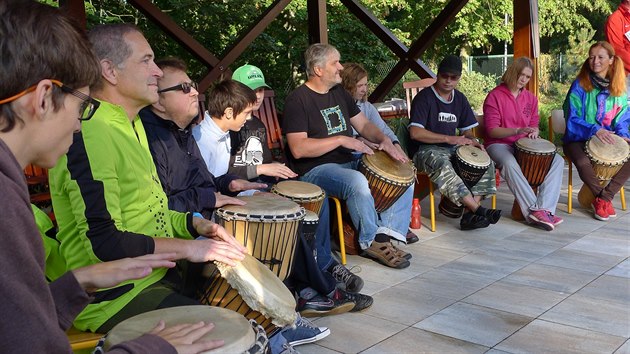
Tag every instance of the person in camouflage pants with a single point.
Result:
(437, 114)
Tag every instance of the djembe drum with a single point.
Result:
(309, 229)
(238, 334)
(535, 157)
(250, 289)
(607, 160)
(387, 178)
(308, 195)
(267, 227)
(470, 163)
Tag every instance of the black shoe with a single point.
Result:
(361, 301)
(351, 282)
(411, 238)
(472, 221)
(323, 306)
(493, 215)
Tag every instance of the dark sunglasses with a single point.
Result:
(446, 76)
(184, 87)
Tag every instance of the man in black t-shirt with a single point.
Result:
(318, 121)
(437, 113)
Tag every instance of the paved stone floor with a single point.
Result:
(509, 288)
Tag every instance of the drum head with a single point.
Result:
(383, 165)
(297, 189)
(262, 208)
(262, 290)
(310, 218)
(230, 326)
(473, 156)
(541, 146)
(613, 154)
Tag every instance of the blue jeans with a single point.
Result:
(345, 182)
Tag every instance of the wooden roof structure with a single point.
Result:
(525, 36)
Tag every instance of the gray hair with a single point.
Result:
(108, 42)
(316, 55)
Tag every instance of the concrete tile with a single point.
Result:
(474, 324)
(551, 278)
(378, 273)
(490, 266)
(434, 256)
(442, 283)
(593, 314)
(580, 260)
(515, 249)
(546, 337)
(495, 351)
(413, 340)
(404, 306)
(371, 288)
(605, 245)
(621, 270)
(557, 238)
(462, 241)
(355, 332)
(624, 349)
(516, 298)
(315, 349)
(608, 288)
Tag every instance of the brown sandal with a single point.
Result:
(385, 253)
(402, 254)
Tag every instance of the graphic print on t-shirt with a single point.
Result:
(335, 122)
(251, 153)
(447, 117)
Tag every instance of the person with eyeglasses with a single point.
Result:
(437, 114)
(40, 101)
(108, 198)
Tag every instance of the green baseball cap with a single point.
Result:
(251, 76)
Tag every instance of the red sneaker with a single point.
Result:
(610, 209)
(556, 220)
(599, 209)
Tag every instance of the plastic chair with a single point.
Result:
(342, 245)
(558, 125)
(82, 340)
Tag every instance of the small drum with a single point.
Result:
(308, 195)
(309, 229)
(388, 179)
(534, 156)
(470, 163)
(252, 290)
(236, 331)
(267, 227)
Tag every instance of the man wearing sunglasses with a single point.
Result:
(437, 114)
(107, 196)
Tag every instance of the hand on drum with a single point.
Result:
(186, 337)
(391, 150)
(532, 132)
(216, 232)
(239, 185)
(274, 169)
(605, 136)
(222, 200)
(355, 144)
(108, 274)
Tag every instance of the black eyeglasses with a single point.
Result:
(86, 109)
(447, 76)
(184, 87)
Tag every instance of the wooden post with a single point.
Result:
(317, 25)
(526, 36)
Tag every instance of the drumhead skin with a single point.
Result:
(230, 326)
(607, 154)
(262, 290)
(298, 189)
(382, 164)
(542, 146)
(473, 156)
(310, 218)
(262, 208)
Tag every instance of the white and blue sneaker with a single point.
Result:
(304, 332)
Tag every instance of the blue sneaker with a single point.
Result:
(304, 332)
(279, 345)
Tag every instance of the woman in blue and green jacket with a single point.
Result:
(597, 104)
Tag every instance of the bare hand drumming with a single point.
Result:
(222, 200)
(278, 170)
(605, 136)
(239, 185)
(355, 144)
(186, 338)
(390, 149)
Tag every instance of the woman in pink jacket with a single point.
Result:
(510, 113)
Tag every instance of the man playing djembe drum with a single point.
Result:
(596, 107)
(437, 113)
(510, 113)
(318, 121)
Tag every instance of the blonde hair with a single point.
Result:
(616, 73)
(513, 72)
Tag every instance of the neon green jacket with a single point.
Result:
(107, 200)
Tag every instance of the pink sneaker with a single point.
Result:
(540, 218)
(599, 209)
(556, 220)
(610, 209)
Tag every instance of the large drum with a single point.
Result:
(309, 230)
(534, 156)
(607, 160)
(250, 289)
(470, 163)
(267, 227)
(308, 195)
(239, 335)
(388, 179)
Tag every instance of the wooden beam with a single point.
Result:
(169, 26)
(317, 22)
(243, 42)
(523, 39)
(435, 29)
(76, 10)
